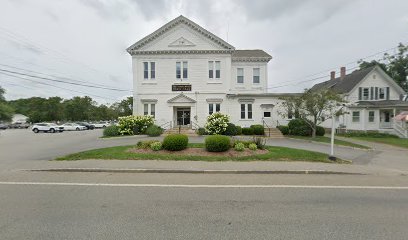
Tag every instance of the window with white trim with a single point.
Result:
(214, 69)
(256, 74)
(213, 107)
(246, 111)
(181, 66)
(356, 116)
(146, 70)
(366, 93)
(381, 93)
(149, 109)
(371, 115)
(240, 75)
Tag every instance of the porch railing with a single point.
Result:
(266, 125)
(401, 127)
(167, 125)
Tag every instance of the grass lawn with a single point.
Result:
(274, 154)
(399, 142)
(327, 140)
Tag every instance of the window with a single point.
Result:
(212, 107)
(240, 75)
(178, 70)
(217, 69)
(371, 115)
(145, 70)
(210, 69)
(152, 107)
(267, 114)
(152, 70)
(146, 109)
(381, 94)
(366, 93)
(246, 111)
(242, 111)
(356, 116)
(185, 69)
(214, 65)
(290, 114)
(256, 75)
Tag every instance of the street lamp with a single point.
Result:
(331, 156)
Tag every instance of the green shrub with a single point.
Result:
(299, 127)
(111, 131)
(145, 144)
(260, 142)
(247, 131)
(217, 123)
(131, 125)
(239, 147)
(253, 146)
(284, 129)
(156, 146)
(175, 142)
(246, 143)
(217, 143)
(239, 130)
(154, 131)
(231, 130)
(258, 129)
(201, 131)
(320, 131)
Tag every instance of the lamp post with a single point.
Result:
(331, 156)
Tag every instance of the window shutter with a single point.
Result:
(360, 93)
(376, 93)
(372, 93)
(387, 93)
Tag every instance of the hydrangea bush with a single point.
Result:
(131, 125)
(217, 123)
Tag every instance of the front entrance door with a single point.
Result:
(385, 119)
(183, 116)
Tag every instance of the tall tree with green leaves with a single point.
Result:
(395, 65)
(6, 111)
(313, 106)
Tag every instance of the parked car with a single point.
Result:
(19, 125)
(73, 127)
(47, 127)
(101, 124)
(3, 126)
(88, 126)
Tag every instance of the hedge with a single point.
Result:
(175, 142)
(258, 129)
(217, 143)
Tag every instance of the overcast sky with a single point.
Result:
(85, 40)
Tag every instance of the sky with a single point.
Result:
(84, 41)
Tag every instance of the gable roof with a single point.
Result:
(175, 22)
(255, 54)
(346, 84)
(181, 98)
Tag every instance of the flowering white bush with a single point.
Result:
(217, 123)
(130, 125)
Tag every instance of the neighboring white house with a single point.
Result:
(19, 118)
(182, 73)
(373, 99)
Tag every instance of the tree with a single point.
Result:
(396, 65)
(78, 108)
(6, 111)
(313, 106)
(123, 108)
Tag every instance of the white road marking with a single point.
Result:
(203, 186)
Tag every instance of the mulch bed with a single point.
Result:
(201, 152)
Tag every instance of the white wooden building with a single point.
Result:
(182, 73)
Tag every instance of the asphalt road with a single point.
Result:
(115, 212)
(53, 205)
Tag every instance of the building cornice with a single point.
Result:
(168, 52)
(251, 59)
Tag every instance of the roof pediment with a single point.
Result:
(181, 98)
(178, 22)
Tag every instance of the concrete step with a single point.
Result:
(273, 133)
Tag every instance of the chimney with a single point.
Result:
(342, 72)
(332, 75)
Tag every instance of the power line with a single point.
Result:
(47, 84)
(62, 81)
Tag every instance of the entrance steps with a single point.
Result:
(187, 131)
(273, 133)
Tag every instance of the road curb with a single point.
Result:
(193, 171)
